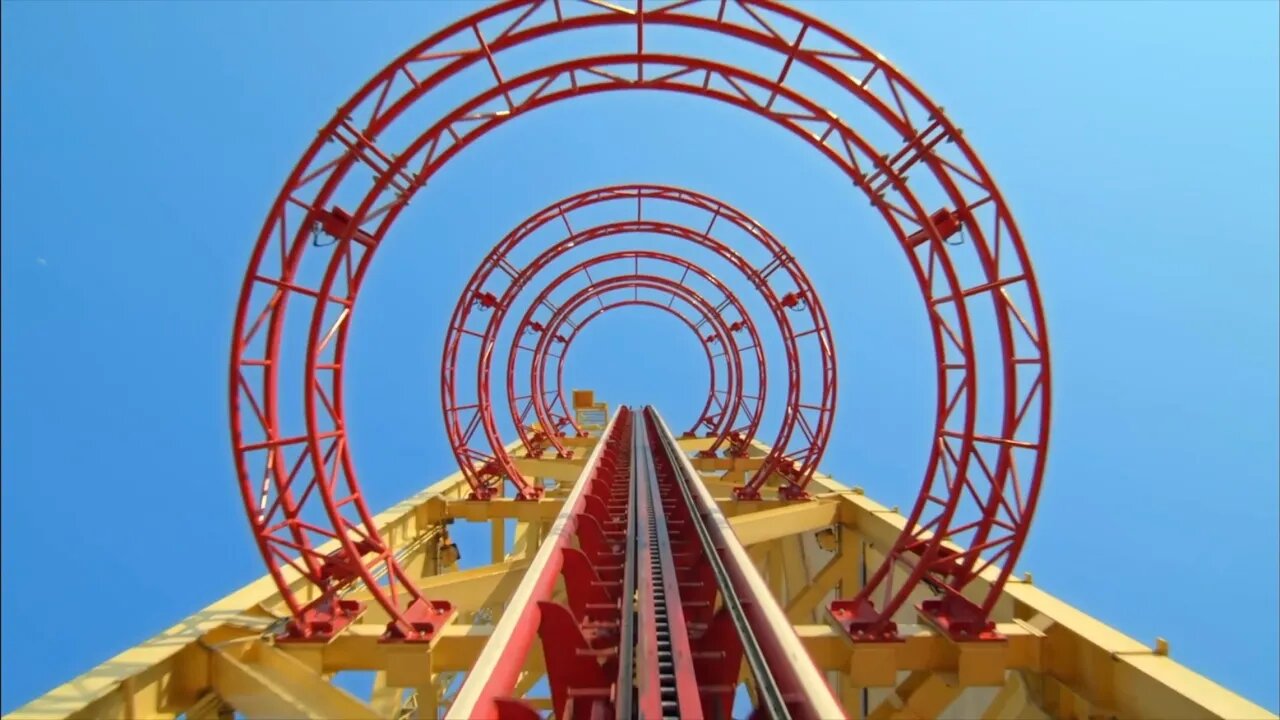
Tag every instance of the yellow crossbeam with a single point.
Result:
(1067, 663)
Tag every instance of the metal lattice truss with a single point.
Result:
(648, 574)
(984, 465)
(1054, 662)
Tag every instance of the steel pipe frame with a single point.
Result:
(809, 454)
(500, 464)
(564, 316)
(661, 284)
(817, 47)
(733, 395)
(566, 417)
(531, 444)
(797, 465)
(801, 462)
(704, 419)
(724, 331)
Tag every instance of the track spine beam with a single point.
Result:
(671, 689)
(485, 693)
(788, 683)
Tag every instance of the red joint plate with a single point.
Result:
(960, 619)
(530, 493)
(426, 617)
(336, 220)
(321, 620)
(793, 492)
(946, 221)
(746, 493)
(862, 622)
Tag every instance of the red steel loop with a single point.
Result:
(485, 469)
(793, 413)
(746, 414)
(711, 418)
(785, 287)
(986, 458)
(714, 413)
(728, 408)
(718, 410)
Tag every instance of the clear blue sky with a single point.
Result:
(143, 144)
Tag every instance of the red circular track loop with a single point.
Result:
(789, 294)
(982, 478)
(484, 469)
(738, 445)
(718, 409)
(747, 413)
(716, 413)
(733, 371)
(710, 418)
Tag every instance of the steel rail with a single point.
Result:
(770, 695)
(496, 670)
(787, 681)
(671, 690)
(624, 700)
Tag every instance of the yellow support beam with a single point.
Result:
(543, 510)
(781, 522)
(260, 681)
(470, 590)
(922, 696)
(801, 606)
(359, 648)
(1090, 661)
(560, 470)
(1068, 664)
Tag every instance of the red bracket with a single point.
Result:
(486, 300)
(959, 618)
(792, 491)
(947, 222)
(424, 618)
(321, 620)
(860, 619)
(335, 221)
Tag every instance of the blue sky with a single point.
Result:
(143, 144)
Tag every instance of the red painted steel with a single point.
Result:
(784, 286)
(496, 463)
(982, 478)
(577, 636)
(734, 369)
(709, 419)
(749, 411)
(803, 699)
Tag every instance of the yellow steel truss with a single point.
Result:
(1056, 661)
